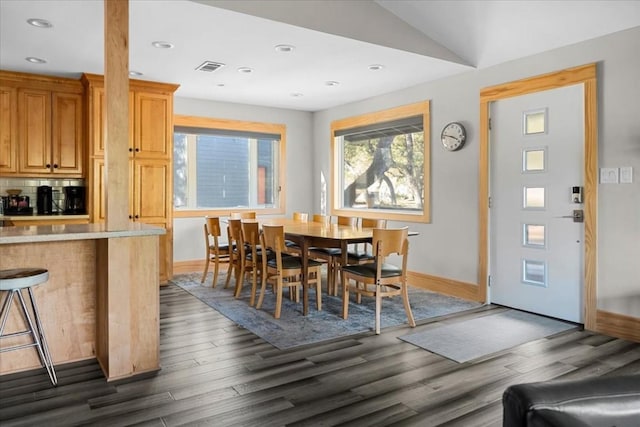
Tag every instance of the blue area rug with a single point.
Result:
(293, 329)
(471, 339)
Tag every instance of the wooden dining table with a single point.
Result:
(315, 234)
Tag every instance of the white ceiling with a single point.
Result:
(416, 41)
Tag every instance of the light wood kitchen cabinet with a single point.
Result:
(47, 139)
(8, 130)
(150, 158)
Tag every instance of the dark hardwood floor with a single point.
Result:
(216, 373)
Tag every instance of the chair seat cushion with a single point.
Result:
(327, 251)
(291, 262)
(360, 256)
(270, 255)
(222, 249)
(369, 270)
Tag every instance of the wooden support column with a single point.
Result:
(117, 262)
(116, 89)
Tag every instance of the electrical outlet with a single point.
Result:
(626, 175)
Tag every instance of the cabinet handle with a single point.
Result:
(55, 166)
(48, 165)
(130, 216)
(136, 216)
(137, 150)
(130, 150)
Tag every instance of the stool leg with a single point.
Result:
(5, 310)
(38, 336)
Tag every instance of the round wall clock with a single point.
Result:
(453, 136)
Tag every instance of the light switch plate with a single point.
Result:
(626, 175)
(609, 175)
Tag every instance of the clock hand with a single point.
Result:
(452, 137)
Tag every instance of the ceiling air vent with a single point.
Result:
(209, 66)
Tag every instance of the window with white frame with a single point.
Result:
(380, 164)
(226, 165)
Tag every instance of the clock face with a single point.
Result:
(453, 136)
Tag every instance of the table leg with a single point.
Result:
(304, 247)
(344, 246)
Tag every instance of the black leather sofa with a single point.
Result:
(594, 402)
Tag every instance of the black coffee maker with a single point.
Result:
(74, 203)
(44, 201)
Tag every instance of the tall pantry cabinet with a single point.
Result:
(150, 158)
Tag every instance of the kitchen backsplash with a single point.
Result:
(29, 186)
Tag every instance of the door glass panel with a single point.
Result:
(534, 272)
(533, 235)
(533, 160)
(533, 198)
(535, 122)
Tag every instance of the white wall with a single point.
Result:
(447, 247)
(188, 238)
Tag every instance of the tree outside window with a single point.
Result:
(381, 164)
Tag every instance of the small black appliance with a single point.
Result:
(15, 204)
(44, 201)
(74, 200)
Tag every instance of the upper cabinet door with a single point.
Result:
(67, 143)
(34, 131)
(153, 125)
(8, 130)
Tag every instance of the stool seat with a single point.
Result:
(20, 278)
(13, 282)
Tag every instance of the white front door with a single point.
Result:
(536, 248)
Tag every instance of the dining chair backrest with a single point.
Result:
(243, 215)
(301, 216)
(347, 220)
(234, 229)
(373, 223)
(250, 233)
(212, 224)
(387, 241)
(322, 219)
(273, 238)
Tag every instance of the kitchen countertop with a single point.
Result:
(52, 233)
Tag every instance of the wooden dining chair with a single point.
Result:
(252, 262)
(243, 215)
(292, 248)
(322, 219)
(282, 270)
(300, 216)
(333, 256)
(215, 252)
(362, 253)
(380, 279)
(237, 254)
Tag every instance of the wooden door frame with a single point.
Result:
(585, 75)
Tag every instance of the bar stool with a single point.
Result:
(13, 282)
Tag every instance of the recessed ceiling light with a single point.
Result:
(297, 95)
(331, 83)
(376, 67)
(40, 23)
(133, 73)
(35, 60)
(285, 48)
(245, 70)
(162, 45)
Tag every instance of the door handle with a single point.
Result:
(577, 216)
